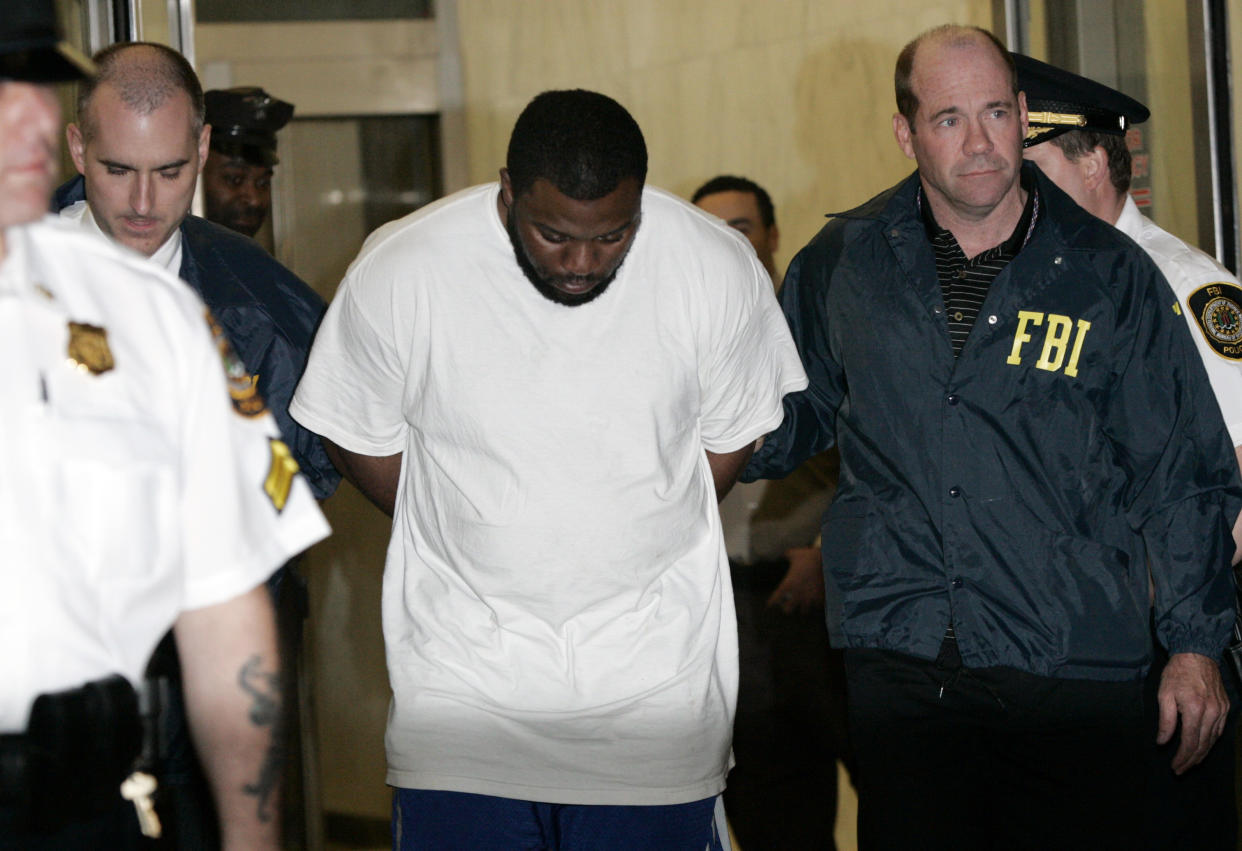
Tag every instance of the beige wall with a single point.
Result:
(795, 94)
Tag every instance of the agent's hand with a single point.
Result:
(802, 589)
(1191, 688)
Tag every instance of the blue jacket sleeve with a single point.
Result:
(809, 424)
(1183, 490)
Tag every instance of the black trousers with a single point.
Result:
(790, 724)
(993, 758)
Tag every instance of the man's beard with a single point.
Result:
(542, 283)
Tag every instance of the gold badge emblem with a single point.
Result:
(243, 387)
(280, 474)
(88, 348)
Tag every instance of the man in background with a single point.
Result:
(790, 726)
(237, 177)
(139, 143)
(1077, 138)
(134, 498)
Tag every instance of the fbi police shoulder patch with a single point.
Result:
(243, 387)
(1217, 307)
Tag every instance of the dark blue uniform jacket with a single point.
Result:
(268, 314)
(1012, 489)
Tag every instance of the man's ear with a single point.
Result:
(204, 144)
(774, 238)
(506, 188)
(901, 130)
(77, 146)
(1094, 167)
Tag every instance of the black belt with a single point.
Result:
(78, 747)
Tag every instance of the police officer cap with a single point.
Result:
(1058, 101)
(31, 49)
(244, 122)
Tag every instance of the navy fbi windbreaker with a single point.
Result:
(1011, 489)
(268, 314)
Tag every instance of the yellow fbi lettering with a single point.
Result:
(280, 474)
(1063, 340)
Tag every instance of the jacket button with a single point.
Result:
(952, 399)
(957, 582)
(1056, 260)
(992, 319)
(955, 491)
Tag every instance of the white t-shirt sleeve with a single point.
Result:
(244, 509)
(354, 383)
(749, 361)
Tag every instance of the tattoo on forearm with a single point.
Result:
(266, 710)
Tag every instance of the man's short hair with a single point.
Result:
(583, 143)
(145, 74)
(732, 183)
(957, 36)
(1076, 143)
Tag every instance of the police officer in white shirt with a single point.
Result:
(135, 497)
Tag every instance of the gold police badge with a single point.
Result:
(1217, 307)
(243, 387)
(88, 348)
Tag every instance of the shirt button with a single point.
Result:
(957, 316)
(955, 491)
(894, 233)
(961, 274)
(957, 582)
(952, 399)
(992, 320)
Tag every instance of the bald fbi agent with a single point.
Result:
(546, 381)
(1023, 424)
(135, 497)
(237, 177)
(1077, 138)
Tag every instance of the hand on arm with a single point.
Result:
(1191, 688)
(375, 476)
(231, 673)
(802, 589)
(726, 468)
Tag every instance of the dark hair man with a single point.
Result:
(139, 144)
(1077, 138)
(237, 177)
(1023, 425)
(546, 382)
(789, 728)
(746, 207)
(133, 500)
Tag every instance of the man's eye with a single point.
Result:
(235, 182)
(171, 175)
(557, 238)
(116, 170)
(612, 238)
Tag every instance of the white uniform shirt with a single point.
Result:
(133, 490)
(1211, 300)
(557, 610)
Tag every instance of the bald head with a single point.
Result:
(143, 76)
(945, 35)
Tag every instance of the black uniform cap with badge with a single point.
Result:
(1058, 101)
(31, 49)
(244, 121)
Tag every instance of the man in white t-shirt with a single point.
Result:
(1077, 139)
(135, 497)
(546, 382)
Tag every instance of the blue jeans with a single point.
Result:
(426, 820)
